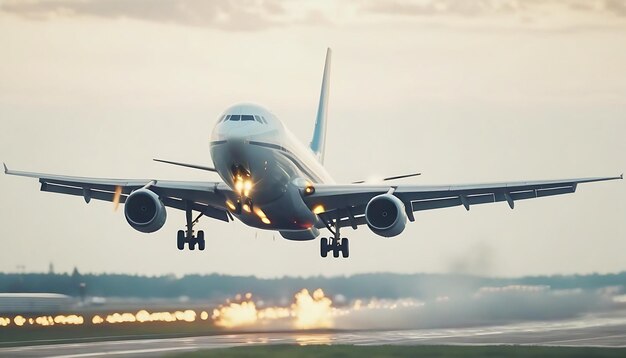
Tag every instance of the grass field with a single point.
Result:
(346, 351)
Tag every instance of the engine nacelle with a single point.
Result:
(144, 211)
(385, 215)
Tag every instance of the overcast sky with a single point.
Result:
(462, 91)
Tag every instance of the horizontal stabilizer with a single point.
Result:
(201, 167)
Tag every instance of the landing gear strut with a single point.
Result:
(187, 236)
(336, 244)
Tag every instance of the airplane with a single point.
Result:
(272, 181)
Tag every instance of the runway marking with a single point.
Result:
(584, 339)
(126, 352)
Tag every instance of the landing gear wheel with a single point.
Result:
(336, 248)
(180, 240)
(345, 251)
(201, 242)
(324, 247)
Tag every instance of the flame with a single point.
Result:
(116, 197)
(19, 320)
(308, 312)
(312, 312)
(235, 315)
(262, 216)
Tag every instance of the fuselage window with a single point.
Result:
(247, 117)
(235, 117)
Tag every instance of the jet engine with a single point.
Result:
(385, 215)
(144, 211)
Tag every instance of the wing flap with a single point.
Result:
(344, 201)
(79, 191)
(206, 197)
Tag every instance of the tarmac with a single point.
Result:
(601, 332)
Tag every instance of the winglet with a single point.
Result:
(6, 170)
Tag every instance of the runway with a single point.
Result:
(604, 332)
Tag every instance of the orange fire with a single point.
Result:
(307, 312)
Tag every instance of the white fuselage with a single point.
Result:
(249, 141)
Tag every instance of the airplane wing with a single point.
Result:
(205, 197)
(348, 202)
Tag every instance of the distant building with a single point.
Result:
(34, 302)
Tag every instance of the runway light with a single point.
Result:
(318, 209)
(266, 221)
(204, 315)
(246, 207)
(230, 205)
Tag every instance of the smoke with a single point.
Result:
(477, 260)
(458, 307)
(487, 306)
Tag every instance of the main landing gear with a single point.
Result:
(187, 237)
(336, 244)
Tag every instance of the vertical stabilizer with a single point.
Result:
(318, 143)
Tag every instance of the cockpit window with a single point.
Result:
(244, 117)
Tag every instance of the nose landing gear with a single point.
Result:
(186, 237)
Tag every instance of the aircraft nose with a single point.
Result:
(239, 129)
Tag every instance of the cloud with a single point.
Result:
(254, 15)
(440, 7)
(230, 15)
(473, 8)
(618, 7)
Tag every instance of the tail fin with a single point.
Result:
(318, 143)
